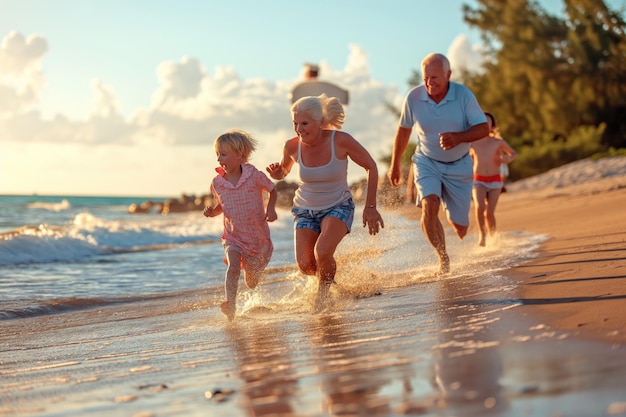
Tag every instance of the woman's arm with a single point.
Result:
(279, 170)
(348, 146)
(270, 211)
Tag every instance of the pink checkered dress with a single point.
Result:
(243, 209)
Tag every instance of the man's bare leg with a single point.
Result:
(433, 229)
(460, 231)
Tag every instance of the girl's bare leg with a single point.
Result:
(231, 284)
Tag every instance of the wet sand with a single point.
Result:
(548, 338)
(578, 283)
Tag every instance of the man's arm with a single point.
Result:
(449, 140)
(400, 143)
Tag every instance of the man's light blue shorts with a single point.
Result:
(312, 219)
(451, 181)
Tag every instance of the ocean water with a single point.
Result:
(59, 253)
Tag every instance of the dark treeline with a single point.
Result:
(557, 85)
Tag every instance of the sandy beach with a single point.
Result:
(548, 338)
(578, 282)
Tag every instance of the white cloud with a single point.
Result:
(20, 55)
(178, 80)
(464, 56)
(105, 103)
(166, 147)
(21, 79)
(13, 100)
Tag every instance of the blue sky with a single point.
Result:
(122, 42)
(126, 97)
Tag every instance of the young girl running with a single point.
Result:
(238, 190)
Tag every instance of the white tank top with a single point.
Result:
(325, 186)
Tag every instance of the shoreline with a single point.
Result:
(577, 281)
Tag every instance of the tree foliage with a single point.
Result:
(546, 76)
(557, 85)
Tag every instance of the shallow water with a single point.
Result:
(453, 347)
(63, 253)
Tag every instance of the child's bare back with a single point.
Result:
(489, 153)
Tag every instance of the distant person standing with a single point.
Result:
(447, 118)
(311, 86)
(489, 154)
(239, 191)
(311, 71)
(322, 206)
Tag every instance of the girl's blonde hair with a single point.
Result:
(327, 110)
(239, 141)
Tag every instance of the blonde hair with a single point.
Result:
(239, 141)
(327, 110)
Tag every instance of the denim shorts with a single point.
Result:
(312, 219)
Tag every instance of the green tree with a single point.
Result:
(547, 76)
(557, 85)
(595, 52)
(519, 78)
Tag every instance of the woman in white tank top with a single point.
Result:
(323, 207)
(324, 186)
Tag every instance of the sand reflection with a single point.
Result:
(269, 383)
(351, 369)
(467, 363)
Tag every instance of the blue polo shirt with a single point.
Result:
(457, 112)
